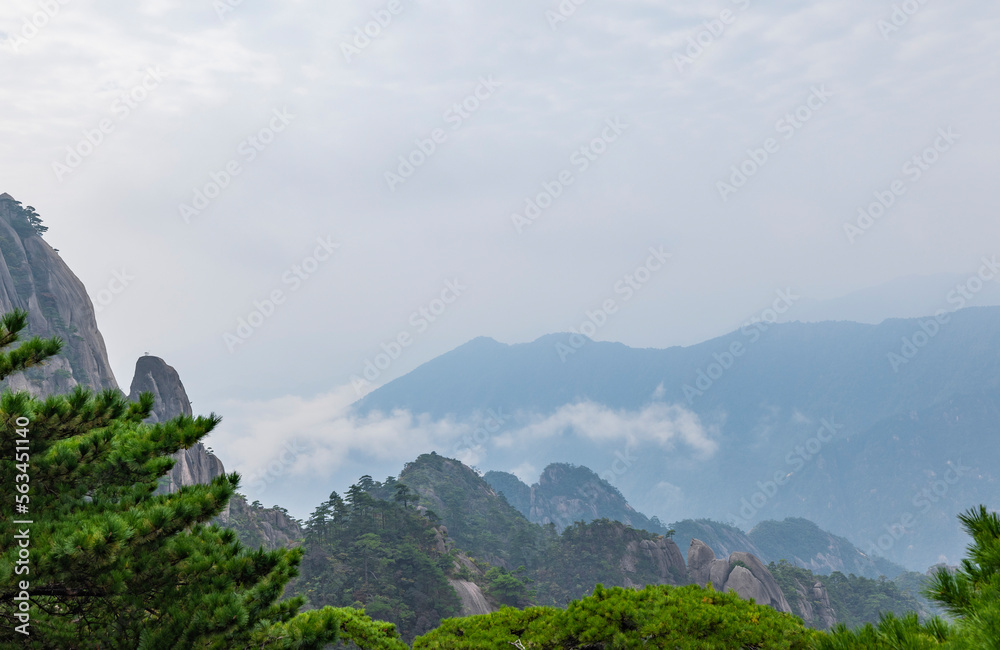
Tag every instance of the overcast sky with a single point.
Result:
(633, 115)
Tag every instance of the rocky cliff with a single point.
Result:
(742, 573)
(33, 277)
(474, 601)
(812, 604)
(661, 554)
(256, 526)
(195, 465)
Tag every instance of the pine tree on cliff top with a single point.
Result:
(106, 563)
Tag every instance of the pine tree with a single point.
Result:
(35, 220)
(106, 562)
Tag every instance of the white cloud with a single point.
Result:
(327, 431)
(663, 425)
(320, 439)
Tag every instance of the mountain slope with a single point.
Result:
(802, 543)
(566, 566)
(565, 494)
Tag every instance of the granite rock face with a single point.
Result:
(660, 553)
(194, 465)
(813, 605)
(270, 528)
(742, 573)
(33, 277)
(153, 375)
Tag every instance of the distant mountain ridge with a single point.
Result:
(856, 421)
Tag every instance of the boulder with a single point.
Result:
(774, 597)
(699, 559)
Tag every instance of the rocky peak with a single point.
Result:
(195, 465)
(565, 494)
(33, 277)
(153, 375)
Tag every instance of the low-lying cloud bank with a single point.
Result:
(299, 449)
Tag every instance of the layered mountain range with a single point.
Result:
(885, 432)
(872, 430)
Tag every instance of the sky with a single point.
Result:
(279, 192)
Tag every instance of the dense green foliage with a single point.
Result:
(589, 554)
(854, 600)
(654, 617)
(509, 588)
(26, 220)
(378, 554)
(107, 563)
